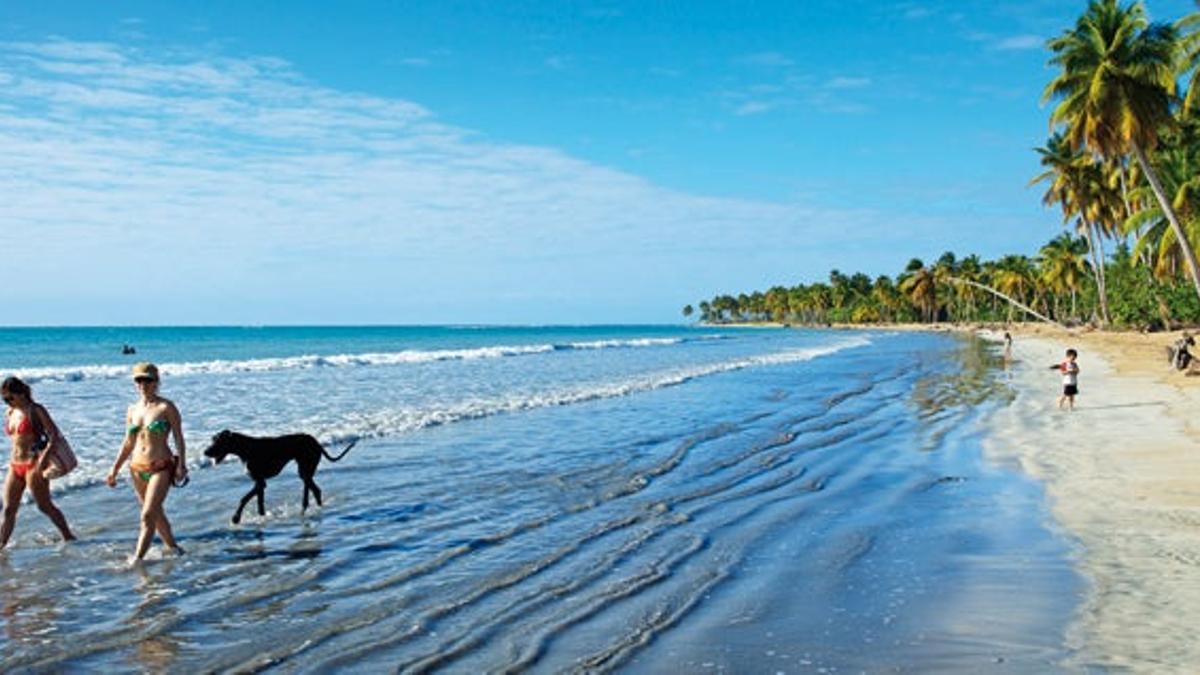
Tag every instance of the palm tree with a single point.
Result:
(1062, 267)
(920, 285)
(1115, 92)
(969, 268)
(1189, 58)
(687, 311)
(1178, 165)
(1077, 185)
(886, 297)
(943, 271)
(1014, 277)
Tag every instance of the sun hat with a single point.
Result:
(148, 370)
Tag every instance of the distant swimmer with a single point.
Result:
(1070, 379)
(128, 349)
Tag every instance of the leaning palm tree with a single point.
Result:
(1115, 91)
(1178, 166)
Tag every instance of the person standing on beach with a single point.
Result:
(1070, 379)
(1007, 348)
(33, 435)
(152, 465)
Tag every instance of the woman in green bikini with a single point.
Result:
(149, 422)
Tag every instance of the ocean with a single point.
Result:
(549, 498)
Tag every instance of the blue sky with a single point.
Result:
(483, 162)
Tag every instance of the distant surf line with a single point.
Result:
(405, 420)
(310, 361)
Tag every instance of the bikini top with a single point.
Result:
(158, 426)
(25, 426)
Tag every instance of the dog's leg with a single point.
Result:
(262, 489)
(237, 516)
(310, 484)
(304, 502)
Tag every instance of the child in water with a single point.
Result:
(1070, 379)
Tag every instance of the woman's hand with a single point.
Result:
(111, 479)
(181, 471)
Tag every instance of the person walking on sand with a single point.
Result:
(152, 466)
(33, 435)
(1070, 379)
(1007, 348)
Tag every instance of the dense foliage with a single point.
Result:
(1122, 165)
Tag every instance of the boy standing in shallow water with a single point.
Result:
(1070, 379)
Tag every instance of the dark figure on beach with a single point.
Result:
(1180, 352)
(34, 436)
(1070, 379)
(265, 458)
(1007, 348)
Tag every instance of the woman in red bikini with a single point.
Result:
(148, 423)
(32, 431)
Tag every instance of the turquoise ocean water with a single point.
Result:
(643, 498)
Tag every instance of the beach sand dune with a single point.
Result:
(1123, 474)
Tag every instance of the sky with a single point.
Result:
(454, 161)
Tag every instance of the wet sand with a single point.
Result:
(1123, 475)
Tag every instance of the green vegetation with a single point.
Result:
(1122, 164)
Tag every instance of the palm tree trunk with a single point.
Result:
(1189, 255)
(1011, 301)
(1097, 271)
(1100, 257)
(1124, 190)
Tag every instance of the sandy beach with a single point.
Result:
(1123, 475)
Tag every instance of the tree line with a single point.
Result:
(1122, 166)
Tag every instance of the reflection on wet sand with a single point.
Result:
(30, 617)
(967, 376)
(152, 617)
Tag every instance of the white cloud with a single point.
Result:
(237, 178)
(1021, 42)
(848, 82)
(752, 108)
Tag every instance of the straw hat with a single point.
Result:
(145, 370)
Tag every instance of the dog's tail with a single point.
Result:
(334, 459)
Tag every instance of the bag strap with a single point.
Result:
(36, 420)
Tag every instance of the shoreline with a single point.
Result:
(1122, 478)
(1122, 474)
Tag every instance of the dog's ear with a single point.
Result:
(222, 435)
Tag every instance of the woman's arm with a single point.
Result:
(177, 431)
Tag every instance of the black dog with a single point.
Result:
(265, 458)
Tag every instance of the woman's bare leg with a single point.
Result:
(155, 492)
(40, 488)
(14, 487)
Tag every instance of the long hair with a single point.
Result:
(15, 385)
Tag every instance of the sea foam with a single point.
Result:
(408, 356)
